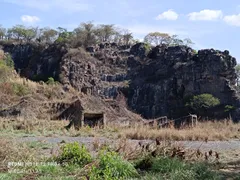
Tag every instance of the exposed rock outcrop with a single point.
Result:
(161, 84)
(156, 83)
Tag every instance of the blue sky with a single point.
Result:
(209, 23)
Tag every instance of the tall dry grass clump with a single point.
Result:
(12, 151)
(211, 130)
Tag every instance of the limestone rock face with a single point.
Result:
(36, 61)
(160, 86)
(155, 83)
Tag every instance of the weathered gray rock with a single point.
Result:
(156, 84)
(160, 87)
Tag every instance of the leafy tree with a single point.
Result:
(2, 32)
(48, 35)
(85, 34)
(175, 41)
(118, 36)
(237, 69)
(202, 102)
(188, 42)
(20, 32)
(127, 37)
(63, 35)
(17, 32)
(105, 32)
(30, 33)
(158, 38)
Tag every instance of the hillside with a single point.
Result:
(155, 82)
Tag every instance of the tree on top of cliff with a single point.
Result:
(48, 35)
(105, 32)
(2, 32)
(237, 68)
(157, 38)
(85, 34)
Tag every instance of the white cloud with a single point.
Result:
(206, 15)
(168, 15)
(46, 5)
(30, 19)
(233, 20)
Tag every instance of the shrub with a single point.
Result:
(50, 81)
(202, 171)
(20, 89)
(202, 102)
(9, 61)
(166, 165)
(12, 88)
(5, 71)
(74, 154)
(228, 108)
(176, 169)
(112, 167)
(195, 51)
(147, 47)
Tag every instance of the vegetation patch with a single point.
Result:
(111, 166)
(73, 153)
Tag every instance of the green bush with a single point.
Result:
(112, 167)
(9, 61)
(74, 154)
(167, 165)
(5, 71)
(195, 51)
(176, 169)
(12, 88)
(202, 171)
(202, 102)
(147, 47)
(50, 81)
(228, 108)
(20, 89)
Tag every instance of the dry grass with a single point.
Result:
(205, 131)
(48, 128)
(33, 126)
(12, 151)
(216, 130)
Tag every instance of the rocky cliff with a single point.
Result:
(156, 83)
(163, 82)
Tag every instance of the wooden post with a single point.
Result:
(82, 119)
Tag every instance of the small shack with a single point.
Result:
(93, 119)
(79, 116)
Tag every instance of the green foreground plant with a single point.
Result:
(76, 162)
